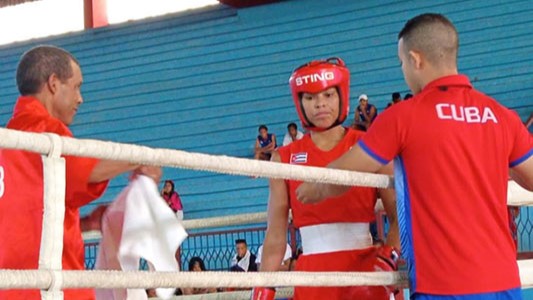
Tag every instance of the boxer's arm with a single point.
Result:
(278, 218)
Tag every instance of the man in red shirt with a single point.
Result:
(335, 233)
(49, 81)
(453, 148)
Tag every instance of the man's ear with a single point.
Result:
(52, 84)
(416, 59)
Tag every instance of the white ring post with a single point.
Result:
(51, 251)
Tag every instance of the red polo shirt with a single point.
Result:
(21, 204)
(453, 147)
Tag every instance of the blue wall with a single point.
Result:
(204, 80)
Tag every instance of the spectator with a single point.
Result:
(243, 261)
(49, 81)
(172, 198)
(196, 264)
(293, 134)
(264, 144)
(365, 113)
(408, 96)
(285, 264)
(396, 98)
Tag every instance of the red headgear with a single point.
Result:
(317, 76)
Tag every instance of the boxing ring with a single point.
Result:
(50, 279)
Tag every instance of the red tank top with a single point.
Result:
(357, 205)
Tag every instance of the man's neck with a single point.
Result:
(436, 73)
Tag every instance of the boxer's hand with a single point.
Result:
(387, 259)
(263, 293)
(309, 193)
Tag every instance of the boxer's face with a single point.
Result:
(322, 108)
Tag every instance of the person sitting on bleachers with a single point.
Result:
(396, 98)
(365, 113)
(196, 264)
(172, 198)
(264, 144)
(243, 260)
(293, 134)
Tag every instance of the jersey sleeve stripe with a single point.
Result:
(518, 161)
(368, 151)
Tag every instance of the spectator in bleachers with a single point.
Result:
(293, 134)
(285, 264)
(243, 261)
(407, 96)
(172, 198)
(264, 144)
(365, 113)
(396, 98)
(196, 264)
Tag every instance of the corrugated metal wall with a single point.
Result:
(204, 80)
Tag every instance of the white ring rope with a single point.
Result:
(14, 139)
(43, 279)
(55, 279)
(240, 219)
(281, 293)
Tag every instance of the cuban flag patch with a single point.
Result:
(299, 158)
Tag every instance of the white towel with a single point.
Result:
(138, 224)
(244, 263)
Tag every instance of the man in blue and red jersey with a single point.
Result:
(49, 81)
(335, 233)
(453, 149)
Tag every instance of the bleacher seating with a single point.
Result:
(204, 80)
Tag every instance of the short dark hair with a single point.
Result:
(262, 127)
(240, 241)
(407, 96)
(432, 34)
(396, 95)
(38, 64)
(293, 125)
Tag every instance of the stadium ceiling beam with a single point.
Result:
(4, 3)
(246, 3)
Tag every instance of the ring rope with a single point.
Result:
(43, 279)
(40, 143)
(46, 279)
(35, 142)
(240, 219)
(281, 293)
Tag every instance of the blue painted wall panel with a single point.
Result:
(204, 80)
